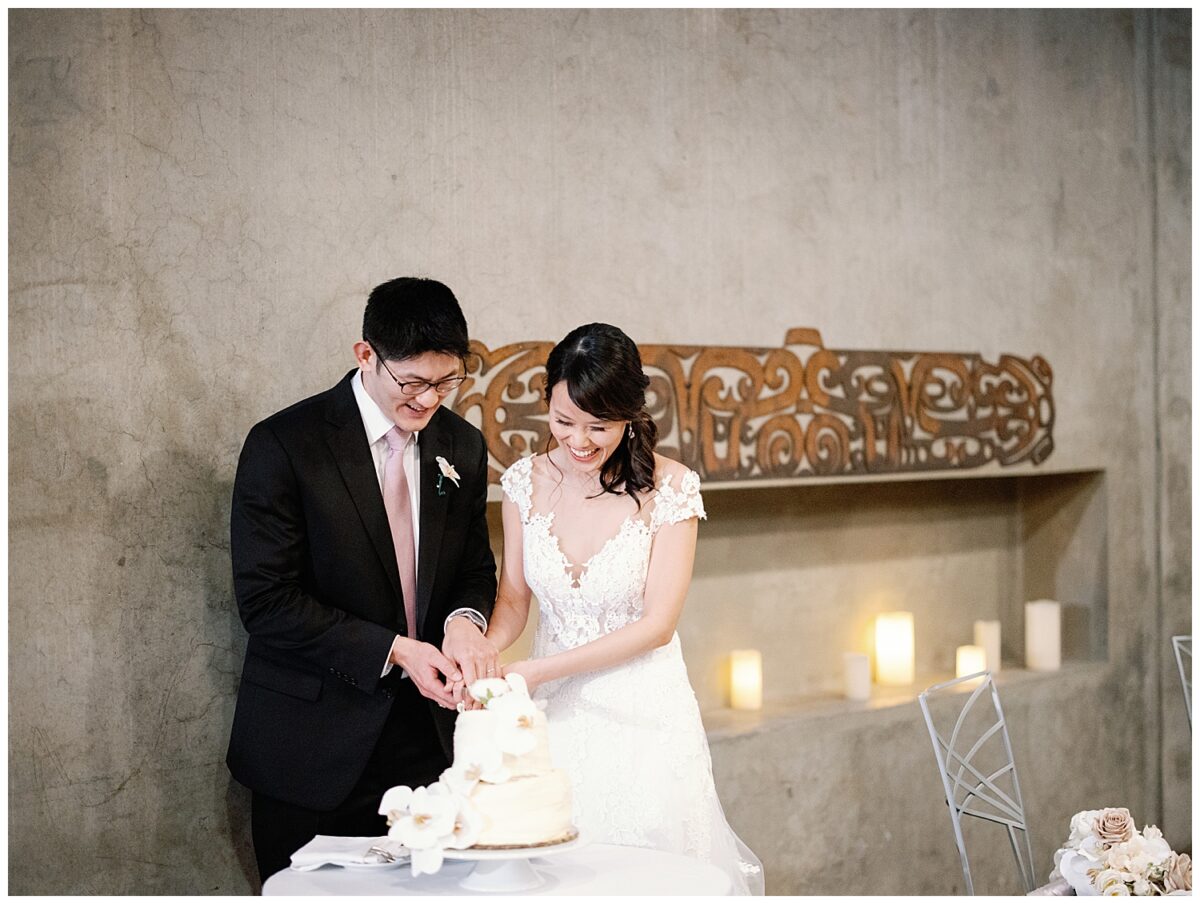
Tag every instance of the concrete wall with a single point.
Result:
(199, 202)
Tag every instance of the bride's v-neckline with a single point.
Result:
(569, 566)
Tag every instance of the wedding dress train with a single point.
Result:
(630, 737)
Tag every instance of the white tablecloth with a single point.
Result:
(594, 869)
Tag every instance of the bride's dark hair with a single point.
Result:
(603, 372)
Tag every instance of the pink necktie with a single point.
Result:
(399, 511)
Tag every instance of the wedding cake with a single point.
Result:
(501, 792)
(521, 798)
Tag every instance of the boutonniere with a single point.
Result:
(447, 470)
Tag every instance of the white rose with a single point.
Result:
(1156, 848)
(1081, 826)
(1142, 888)
(1107, 878)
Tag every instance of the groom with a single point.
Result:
(364, 577)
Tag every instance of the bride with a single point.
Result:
(603, 531)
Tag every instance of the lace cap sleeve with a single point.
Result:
(675, 505)
(518, 485)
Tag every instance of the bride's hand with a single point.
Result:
(475, 655)
(527, 669)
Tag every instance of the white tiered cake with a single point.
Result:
(501, 792)
(527, 802)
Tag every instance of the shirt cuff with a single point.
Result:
(388, 666)
(473, 615)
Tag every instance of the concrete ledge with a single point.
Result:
(725, 723)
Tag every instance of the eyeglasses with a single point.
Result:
(412, 388)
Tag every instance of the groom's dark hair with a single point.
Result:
(409, 316)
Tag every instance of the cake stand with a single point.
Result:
(508, 870)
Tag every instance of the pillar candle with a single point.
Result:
(857, 675)
(1043, 637)
(746, 679)
(968, 660)
(987, 635)
(894, 657)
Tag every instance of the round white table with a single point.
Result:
(593, 869)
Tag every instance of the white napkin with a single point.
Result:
(342, 849)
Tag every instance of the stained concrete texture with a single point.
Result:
(200, 201)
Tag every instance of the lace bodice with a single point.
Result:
(608, 592)
(629, 736)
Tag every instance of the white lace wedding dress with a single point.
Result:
(630, 737)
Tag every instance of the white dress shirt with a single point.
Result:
(377, 424)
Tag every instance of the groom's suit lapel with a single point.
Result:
(434, 441)
(347, 441)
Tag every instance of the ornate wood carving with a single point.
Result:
(798, 411)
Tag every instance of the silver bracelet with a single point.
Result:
(476, 618)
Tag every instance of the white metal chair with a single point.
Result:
(976, 765)
(1183, 658)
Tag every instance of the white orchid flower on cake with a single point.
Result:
(429, 814)
(477, 766)
(514, 723)
(467, 827)
(394, 804)
(484, 690)
(516, 682)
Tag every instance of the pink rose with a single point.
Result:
(1178, 874)
(1114, 826)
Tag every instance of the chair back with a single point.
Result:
(975, 762)
(1183, 658)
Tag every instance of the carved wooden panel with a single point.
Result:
(797, 411)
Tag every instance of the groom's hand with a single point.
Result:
(425, 665)
(475, 655)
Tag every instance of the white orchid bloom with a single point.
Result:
(514, 724)
(461, 778)
(448, 470)
(467, 828)
(516, 681)
(484, 690)
(1074, 868)
(426, 861)
(431, 814)
(395, 802)
(474, 767)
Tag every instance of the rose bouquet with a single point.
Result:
(1106, 855)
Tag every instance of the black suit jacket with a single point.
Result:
(317, 587)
